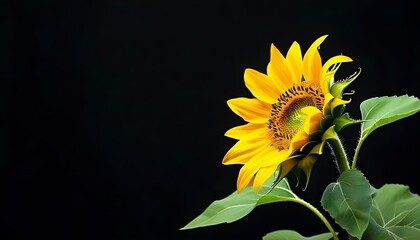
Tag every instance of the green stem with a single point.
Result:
(317, 213)
(356, 153)
(340, 153)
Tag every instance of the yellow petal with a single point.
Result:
(310, 110)
(300, 139)
(312, 62)
(313, 119)
(334, 60)
(326, 74)
(278, 70)
(328, 98)
(245, 149)
(261, 86)
(251, 110)
(262, 175)
(294, 58)
(286, 167)
(266, 157)
(241, 131)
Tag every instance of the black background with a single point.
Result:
(114, 111)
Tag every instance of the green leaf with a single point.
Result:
(395, 214)
(348, 201)
(377, 112)
(292, 235)
(236, 206)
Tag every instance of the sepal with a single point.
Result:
(337, 89)
(343, 121)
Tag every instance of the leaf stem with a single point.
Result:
(356, 152)
(340, 153)
(317, 213)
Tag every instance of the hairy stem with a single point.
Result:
(356, 153)
(340, 153)
(317, 213)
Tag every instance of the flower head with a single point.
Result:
(295, 105)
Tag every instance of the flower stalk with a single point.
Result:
(318, 214)
(340, 153)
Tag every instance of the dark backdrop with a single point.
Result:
(114, 111)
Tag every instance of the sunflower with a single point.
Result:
(294, 109)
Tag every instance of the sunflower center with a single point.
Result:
(286, 116)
